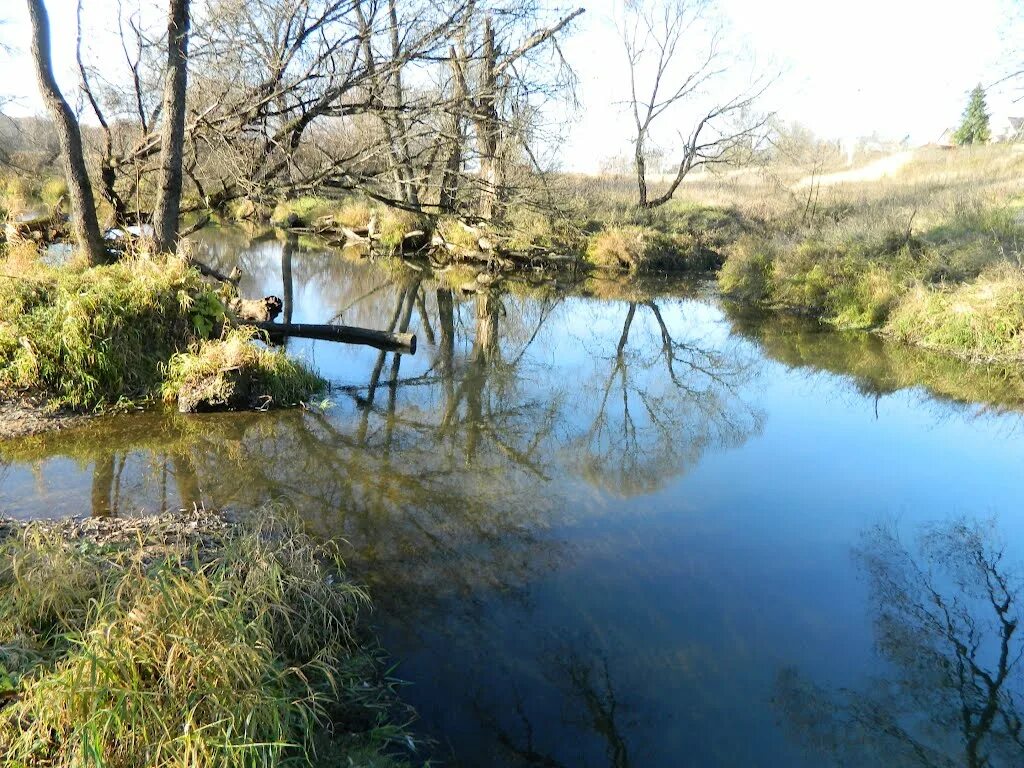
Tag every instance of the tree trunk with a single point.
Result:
(452, 170)
(641, 170)
(406, 173)
(288, 289)
(347, 334)
(172, 132)
(487, 129)
(83, 205)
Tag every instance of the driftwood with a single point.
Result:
(39, 226)
(403, 342)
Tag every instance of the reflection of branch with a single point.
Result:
(602, 708)
(947, 620)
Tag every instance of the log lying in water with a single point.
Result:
(404, 342)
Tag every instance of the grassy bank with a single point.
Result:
(931, 255)
(185, 641)
(127, 334)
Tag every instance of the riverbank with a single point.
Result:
(79, 340)
(187, 639)
(931, 255)
(21, 417)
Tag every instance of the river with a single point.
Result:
(621, 524)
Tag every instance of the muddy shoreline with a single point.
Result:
(23, 417)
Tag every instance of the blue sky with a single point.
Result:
(898, 67)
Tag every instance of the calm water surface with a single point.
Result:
(623, 526)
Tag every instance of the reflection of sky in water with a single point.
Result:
(579, 556)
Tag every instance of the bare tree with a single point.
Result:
(172, 133)
(83, 206)
(501, 84)
(657, 36)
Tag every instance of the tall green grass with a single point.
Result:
(235, 649)
(96, 337)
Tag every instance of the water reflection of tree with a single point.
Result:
(469, 452)
(593, 713)
(947, 616)
(688, 397)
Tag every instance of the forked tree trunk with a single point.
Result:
(172, 132)
(83, 205)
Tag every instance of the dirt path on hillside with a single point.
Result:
(873, 171)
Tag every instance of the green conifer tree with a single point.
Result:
(974, 127)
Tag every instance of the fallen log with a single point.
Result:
(404, 342)
(207, 271)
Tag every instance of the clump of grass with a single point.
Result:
(234, 372)
(17, 195)
(866, 298)
(458, 234)
(300, 211)
(353, 214)
(245, 209)
(237, 648)
(982, 320)
(528, 229)
(747, 272)
(633, 249)
(394, 223)
(53, 191)
(854, 285)
(96, 337)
